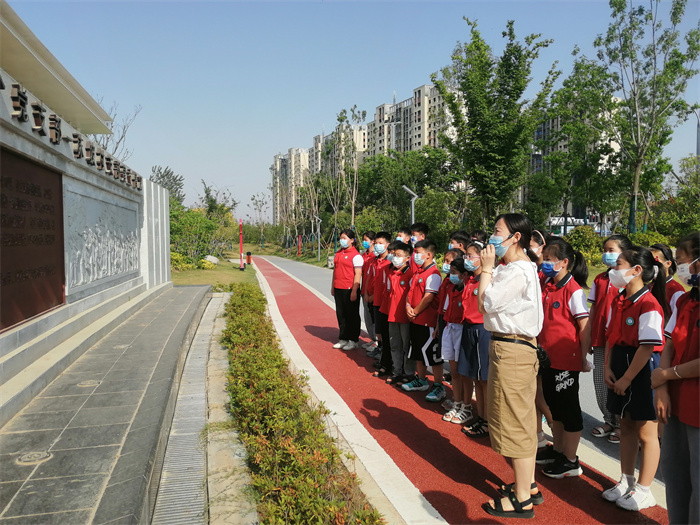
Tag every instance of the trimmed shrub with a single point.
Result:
(648, 238)
(585, 239)
(296, 470)
(180, 263)
(203, 264)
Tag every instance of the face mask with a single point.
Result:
(454, 279)
(610, 259)
(390, 257)
(400, 239)
(445, 267)
(365, 245)
(548, 268)
(537, 250)
(379, 249)
(419, 259)
(498, 244)
(684, 275)
(344, 243)
(414, 240)
(618, 278)
(397, 261)
(449, 246)
(469, 265)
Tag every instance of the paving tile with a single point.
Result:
(53, 404)
(28, 441)
(124, 385)
(95, 436)
(77, 462)
(87, 417)
(8, 491)
(144, 437)
(40, 420)
(136, 362)
(114, 399)
(10, 470)
(66, 388)
(43, 496)
(121, 501)
(120, 375)
(77, 517)
(131, 465)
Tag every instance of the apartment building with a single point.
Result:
(288, 172)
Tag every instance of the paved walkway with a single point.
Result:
(426, 470)
(83, 451)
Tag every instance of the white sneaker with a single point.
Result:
(340, 344)
(616, 492)
(636, 499)
(351, 345)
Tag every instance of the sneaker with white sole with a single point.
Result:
(563, 468)
(616, 492)
(636, 499)
(546, 455)
(436, 394)
(417, 384)
(371, 347)
(351, 345)
(341, 343)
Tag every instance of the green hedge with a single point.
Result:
(296, 470)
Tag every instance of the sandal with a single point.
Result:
(395, 380)
(517, 512)
(614, 436)
(600, 431)
(478, 429)
(381, 372)
(537, 498)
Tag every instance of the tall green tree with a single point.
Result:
(171, 181)
(493, 122)
(649, 67)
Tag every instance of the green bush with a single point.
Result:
(203, 264)
(180, 262)
(585, 239)
(296, 469)
(648, 238)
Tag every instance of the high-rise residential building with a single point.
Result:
(288, 173)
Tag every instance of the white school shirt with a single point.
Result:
(513, 300)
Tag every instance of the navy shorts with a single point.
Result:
(424, 347)
(638, 401)
(474, 355)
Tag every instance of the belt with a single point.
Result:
(510, 340)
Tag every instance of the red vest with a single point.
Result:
(343, 268)
(470, 301)
(604, 296)
(427, 317)
(455, 310)
(397, 293)
(685, 393)
(380, 277)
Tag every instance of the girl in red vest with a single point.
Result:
(677, 392)
(635, 327)
(601, 296)
(345, 288)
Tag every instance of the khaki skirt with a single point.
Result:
(512, 386)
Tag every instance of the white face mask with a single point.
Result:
(398, 261)
(619, 278)
(683, 272)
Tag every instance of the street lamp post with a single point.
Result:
(318, 235)
(413, 203)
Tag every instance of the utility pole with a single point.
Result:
(413, 202)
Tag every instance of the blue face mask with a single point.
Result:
(454, 279)
(445, 267)
(548, 268)
(365, 245)
(414, 240)
(610, 259)
(469, 265)
(419, 259)
(344, 243)
(400, 239)
(379, 249)
(498, 244)
(390, 257)
(450, 246)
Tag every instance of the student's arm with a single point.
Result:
(591, 314)
(608, 374)
(584, 330)
(422, 305)
(356, 284)
(639, 361)
(662, 399)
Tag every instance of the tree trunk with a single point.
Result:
(635, 189)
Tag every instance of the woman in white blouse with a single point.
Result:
(511, 300)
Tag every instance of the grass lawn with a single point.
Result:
(224, 273)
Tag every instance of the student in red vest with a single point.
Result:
(345, 288)
(421, 307)
(601, 296)
(566, 337)
(635, 327)
(678, 392)
(369, 259)
(397, 291)
(376, 291)
(674, 289)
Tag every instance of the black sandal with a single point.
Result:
(381, 372)
(517, 512)
(537, 498)
(477, 430)
(394, 380)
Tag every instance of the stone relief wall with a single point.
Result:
(103, 253)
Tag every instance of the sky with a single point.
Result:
(226, 85)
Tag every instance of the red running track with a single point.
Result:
(455, 473)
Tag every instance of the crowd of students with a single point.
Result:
(510, 317)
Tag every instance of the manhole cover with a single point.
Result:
(33, 457)
(89, 382)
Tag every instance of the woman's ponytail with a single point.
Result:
(579, 270)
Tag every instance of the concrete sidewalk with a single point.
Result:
(89, 448)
